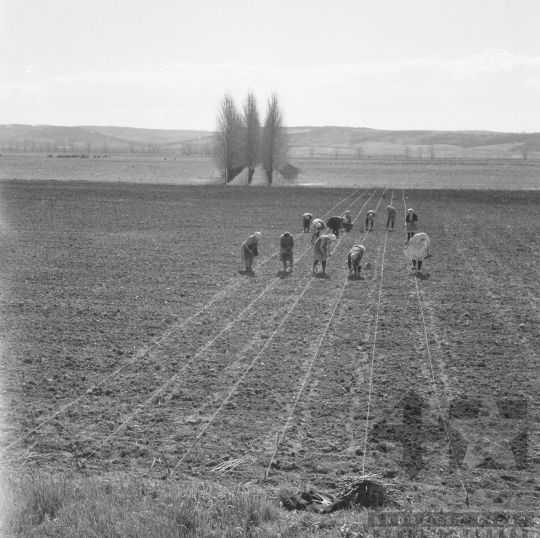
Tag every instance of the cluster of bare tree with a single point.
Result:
(240, 141)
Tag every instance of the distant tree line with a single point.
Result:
(104, 146)
(242, 142)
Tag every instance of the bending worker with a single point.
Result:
(335, 224)
(354, 258)
(417, 249)
(250, 250)
(318, 227)
(321, 251)
(369, 220)
(286, 245)
(307, 218)
(347, 223)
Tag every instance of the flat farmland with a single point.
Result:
(131, 341)
(500, 174)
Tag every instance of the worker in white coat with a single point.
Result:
(417, 249)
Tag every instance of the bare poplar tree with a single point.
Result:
(275, 142)
(88, 146)
(524, 150)
(227, 144)
(432, 152)
(252, 135)
(359, 152)
(407, 152)
(187, 147)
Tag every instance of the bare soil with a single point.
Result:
(126, 319)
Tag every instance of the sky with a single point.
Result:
(166, 64)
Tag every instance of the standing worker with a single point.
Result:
(286, 245)
(307, 218)
(250, 250)
(417, 249)
(354, 258)
(318, 227)
(410, 224)
(369, 220)
(321, 251)
(391, 217)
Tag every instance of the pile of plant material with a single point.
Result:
(368, 491)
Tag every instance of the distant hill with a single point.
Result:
(93, 138)
(88, 139)
(352, 136)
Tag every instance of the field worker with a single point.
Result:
(416, 250)
(391, 217)
(286, 245)
(410, 223)
(307, 218)
(321, 251)
(369, 220)
(318, 227)
(250, 249)
(354, 258)
(335, 224)
(347, 222)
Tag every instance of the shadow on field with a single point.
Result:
(422, 276)
(283, 274)
(355, 277)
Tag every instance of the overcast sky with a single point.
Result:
(384, 64)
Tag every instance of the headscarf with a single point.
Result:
(410, 211)
(331, 237)
(258, 235)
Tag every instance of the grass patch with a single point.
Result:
(124, 506)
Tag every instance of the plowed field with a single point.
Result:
(133, 342)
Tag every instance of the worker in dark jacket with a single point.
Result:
(391, 217)
(306, 219)
(335, 224)
(286, 245)
(370, 217)
(410, 224)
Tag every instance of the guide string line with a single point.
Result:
(160, 389)
(237, 384)
(374, 346)
(281, 435)
(164, 337)
(434, 382)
